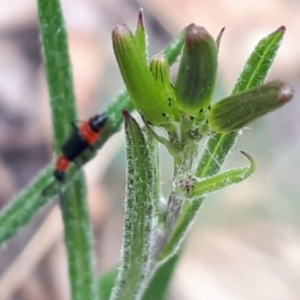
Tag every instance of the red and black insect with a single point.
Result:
(84, 137)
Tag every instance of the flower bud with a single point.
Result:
(234, 112)
(142, 87)
(197, 71)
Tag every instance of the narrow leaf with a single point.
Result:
(217, 182)
(173, 50)
(73, 200)
(58, 69)
(138, 215)
(106, 283)
(260, 61)
(196, 193)
(78, 237)
(159, 284)
(153, 147)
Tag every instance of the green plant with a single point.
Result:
(153, 231)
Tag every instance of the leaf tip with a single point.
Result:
(246, 154)
(282, 29)
(250, 158)
(126, 115)
(141, 21)
(219, 37)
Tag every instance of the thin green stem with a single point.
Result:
(58, 69)
(78, 234)
(78, 237)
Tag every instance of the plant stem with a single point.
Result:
(78, 234)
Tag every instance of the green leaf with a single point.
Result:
(194, 192)
(72, 200)
(195, 189)
(79, 243)
(159, 284)
(106, 283)
(58, 69)
(155, 167)
(260, 61)
(138, 215)
(173, 50)
(157, 288)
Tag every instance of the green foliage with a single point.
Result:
(140, 188)
(154, 228)
(253, 74)
(58, 69)
(158, 286)
(188, 119)
(106, 283)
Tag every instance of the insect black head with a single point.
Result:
(97, 122)
(59, 175)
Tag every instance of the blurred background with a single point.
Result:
(245, 243)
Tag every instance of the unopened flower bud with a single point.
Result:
(197, 71)
(234, 112)
(140, 83)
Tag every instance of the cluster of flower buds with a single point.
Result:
(161, 102)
